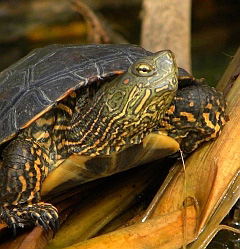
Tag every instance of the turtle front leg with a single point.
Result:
(22, 172)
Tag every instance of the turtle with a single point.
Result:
(75, 113)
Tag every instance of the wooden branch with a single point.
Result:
(96, 34)
(211, 171)
(163, 232)
(166, 25)
(230, 75)
(99, 30)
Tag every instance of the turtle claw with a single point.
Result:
(42, 214)
(46, 216)
(13, 227)
(54, 225)
(43, 224)
(9, 219)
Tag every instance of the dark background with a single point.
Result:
(28, 24)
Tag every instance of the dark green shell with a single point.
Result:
(35, 83)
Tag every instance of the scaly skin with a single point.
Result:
(120, 114)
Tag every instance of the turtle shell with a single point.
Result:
(34, 84)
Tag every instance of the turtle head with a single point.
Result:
(128, 108)
(145, 91)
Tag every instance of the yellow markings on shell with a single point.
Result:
(31, 196)
(15, 166)
(27, 166)
(32, 150)
(24, 152)
(217, 130)
(223, 120)
(209, 106)
(207, 120)
(171, 109)
(38, 176)
(191, 104)
(217, 114)
(176, 119)
(23, 182)
(38, 162)
(39, 152)
(190, 116)
(143, 101)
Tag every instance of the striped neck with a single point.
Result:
(124, 111)
(106, 125)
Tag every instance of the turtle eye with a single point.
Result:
(144, 69)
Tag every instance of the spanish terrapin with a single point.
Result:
(67, 117)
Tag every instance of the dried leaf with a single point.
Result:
(163, 232)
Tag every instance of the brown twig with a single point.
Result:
(99, 29)
(96, 32)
